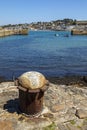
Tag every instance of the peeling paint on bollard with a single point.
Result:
(32, 86)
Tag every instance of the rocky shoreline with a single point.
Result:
(68, 80)
(61, 80)
(65, 106)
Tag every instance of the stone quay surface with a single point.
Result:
(65, 108)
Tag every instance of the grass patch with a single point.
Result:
(85, 121)
(79, 127)
(50, 127)
(73, 122)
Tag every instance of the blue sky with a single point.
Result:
(27, 11)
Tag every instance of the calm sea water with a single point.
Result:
(44, 52)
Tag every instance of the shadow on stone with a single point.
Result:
(12, 106)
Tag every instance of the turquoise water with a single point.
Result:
(44, 52)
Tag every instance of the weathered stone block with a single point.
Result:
(6, 125)
(81, 113)
(57, 108)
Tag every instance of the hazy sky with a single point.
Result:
(27, 11)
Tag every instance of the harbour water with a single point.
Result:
(53, 53)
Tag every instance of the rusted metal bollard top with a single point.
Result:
(32, 86)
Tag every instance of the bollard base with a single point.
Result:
(30, 102)
(33, 115)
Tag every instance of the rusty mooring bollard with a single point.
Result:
(32, 86)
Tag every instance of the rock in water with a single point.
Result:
(32, 80)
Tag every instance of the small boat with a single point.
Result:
(66, 35)
(57, 35)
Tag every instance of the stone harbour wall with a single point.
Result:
(5, 32)
(78, 32)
